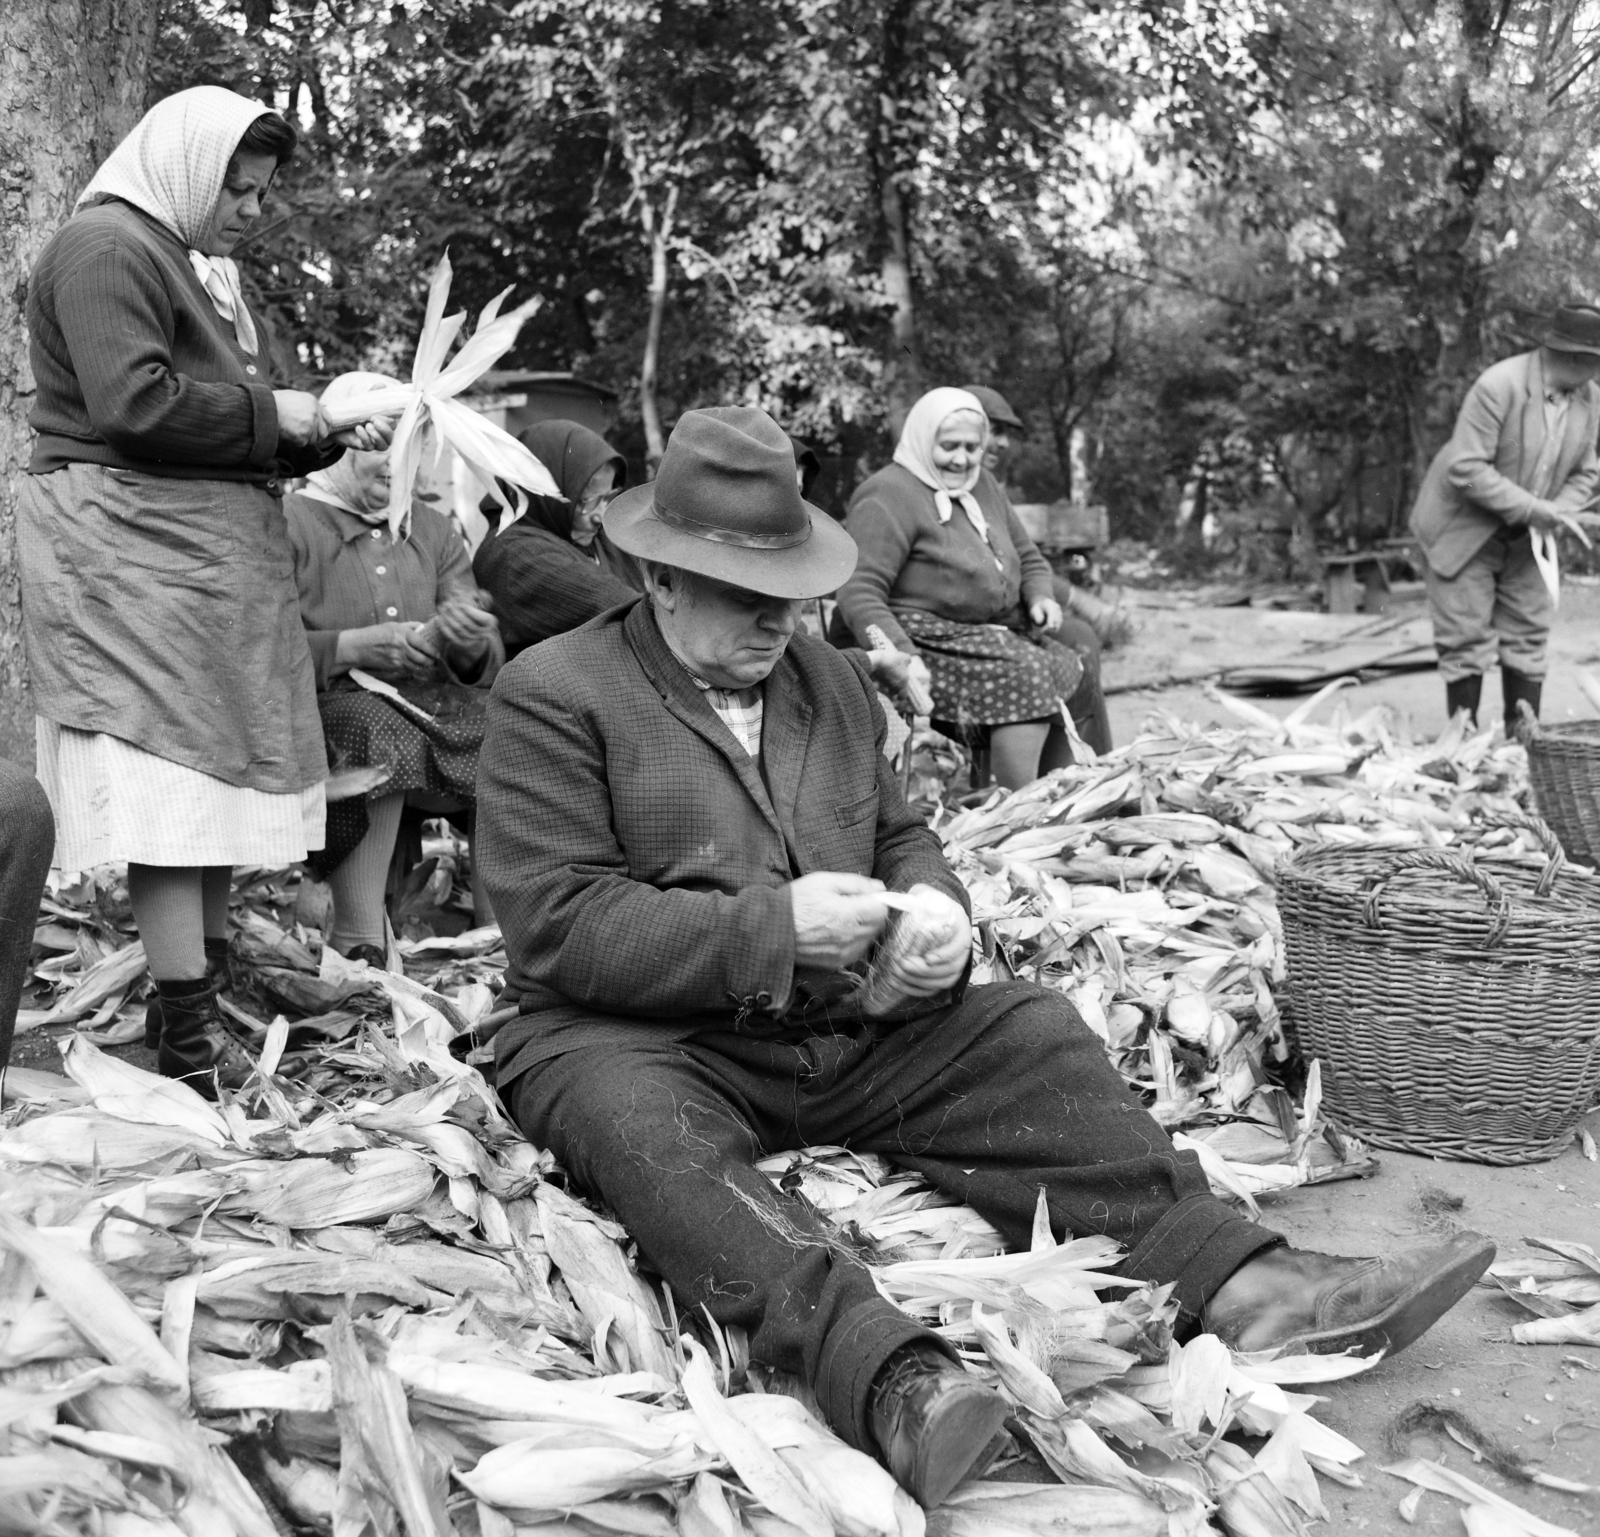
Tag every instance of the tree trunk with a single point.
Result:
(73, 76)
(904, 366)
(897, 84)
(659, 227)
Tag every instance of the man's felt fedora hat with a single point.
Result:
(725, 504)
(995, 405)
(1574, 328)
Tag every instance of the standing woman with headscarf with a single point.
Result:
(177, 715)
(948, 573)
(405, 610)
(553, 569)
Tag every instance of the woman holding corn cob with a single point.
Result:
(949, 574)
(401, 607)
(177, 725)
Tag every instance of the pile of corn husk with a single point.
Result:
(1140, 885)
(1561, 1292)
(370, 1307)
(352, 1298)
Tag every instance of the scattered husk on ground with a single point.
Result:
(353, 1299)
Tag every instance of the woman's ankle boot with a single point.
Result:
(194, 1045)
(216, 963)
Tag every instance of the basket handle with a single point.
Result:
(1555, 856)
(1451, 864)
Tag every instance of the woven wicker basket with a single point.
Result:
(1564, 768)
(1455, 1012)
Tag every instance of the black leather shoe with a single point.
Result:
(1319, 1304)
(195, 1046)
(216, 963)
(934, 1423)
(374, 955)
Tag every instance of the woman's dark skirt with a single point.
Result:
(438, 755)
(989, 675)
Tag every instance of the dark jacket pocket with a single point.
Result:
(857, 811)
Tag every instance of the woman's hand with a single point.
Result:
(299, 417)
(365, 437)
(389, 651)
(1045, 613)
(465, 626)
(898, 672)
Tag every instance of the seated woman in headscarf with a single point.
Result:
(407, 613)
(948, 573)
(553, 569)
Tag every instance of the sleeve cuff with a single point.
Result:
(764, 984)
(264, 443)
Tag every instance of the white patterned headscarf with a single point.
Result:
(172, 167)
(915, 453)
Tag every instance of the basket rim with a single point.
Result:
(1579, 733)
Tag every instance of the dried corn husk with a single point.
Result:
(498, 1331)
(429, 401)
(1443, 1480)
(1009, 1510)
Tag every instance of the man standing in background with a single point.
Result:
(1519, 466)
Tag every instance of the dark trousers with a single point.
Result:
(27, 840)
(987, 1099)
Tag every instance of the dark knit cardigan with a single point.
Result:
(134, 367)
(909, 559)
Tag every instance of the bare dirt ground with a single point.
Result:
(1535, 1399)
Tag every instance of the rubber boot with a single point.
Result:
(216, 960)
(194, 1045)
(1463, 694)
(1516, 687)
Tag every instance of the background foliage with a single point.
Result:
(1252, 251)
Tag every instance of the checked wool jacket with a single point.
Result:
(638, 857)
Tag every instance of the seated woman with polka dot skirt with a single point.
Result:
(407, 612)
(948, 573)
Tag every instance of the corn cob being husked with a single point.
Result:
(351, 1298)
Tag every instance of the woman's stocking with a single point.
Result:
(169, 909)
(1057, 750)
(359, 879)
(1014, 752)
(216, 884)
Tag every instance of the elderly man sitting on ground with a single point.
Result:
(694, 846)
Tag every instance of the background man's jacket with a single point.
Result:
(1478, 482)
(637, 855)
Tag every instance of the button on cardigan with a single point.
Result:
(909, 559)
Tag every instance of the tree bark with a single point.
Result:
(658, 226)
(890, 158)
(904, 367)
(73, 77)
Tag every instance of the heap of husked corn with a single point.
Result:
(353, 1299)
